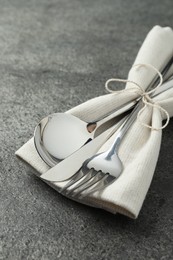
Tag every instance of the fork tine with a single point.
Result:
(78, 175)
(103, 183)
(96, 178)
(90, 174)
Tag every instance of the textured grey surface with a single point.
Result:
(54, 55)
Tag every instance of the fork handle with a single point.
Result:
(123, 130)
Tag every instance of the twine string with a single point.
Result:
(145, 95)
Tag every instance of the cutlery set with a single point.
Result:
(66, 141)
(103, 153)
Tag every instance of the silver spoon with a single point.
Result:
(59, 135)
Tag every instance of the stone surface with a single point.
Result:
(54, 55)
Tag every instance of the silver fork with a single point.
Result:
(104, 167)
(88, 180)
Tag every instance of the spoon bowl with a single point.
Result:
(64, 134)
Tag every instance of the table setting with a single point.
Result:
(103, 152)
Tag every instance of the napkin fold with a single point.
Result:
(140, 147)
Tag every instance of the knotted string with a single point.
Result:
(146, 99)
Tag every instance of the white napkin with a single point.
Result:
(140, 148)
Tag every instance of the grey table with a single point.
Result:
(54, 55)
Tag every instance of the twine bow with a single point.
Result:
(145, 95)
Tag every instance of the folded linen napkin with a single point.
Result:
(140, 148)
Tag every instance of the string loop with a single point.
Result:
(145, 95)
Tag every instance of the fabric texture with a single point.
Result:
(140, 147)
